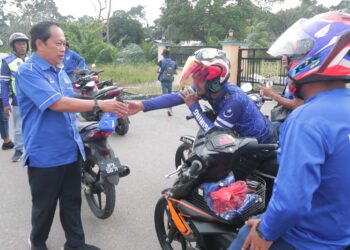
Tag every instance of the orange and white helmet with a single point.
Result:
(207, 66)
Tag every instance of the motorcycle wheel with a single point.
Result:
(168, 235)
(182, 154)
(101, 197)
(123, 126)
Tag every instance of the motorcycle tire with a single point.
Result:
(182, 153)
(95, 200)
(123, 126)
(165, 227)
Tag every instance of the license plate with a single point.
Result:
(109, 166)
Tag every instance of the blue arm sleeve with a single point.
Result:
(80, 60)
(37, 88)
(162, 101)
(300, 158)
(202, 120)
(5, 82)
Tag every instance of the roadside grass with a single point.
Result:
(137, 79)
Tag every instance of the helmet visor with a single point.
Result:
(193, 68)
(294, 41)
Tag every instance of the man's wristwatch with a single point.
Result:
(96, 107)
(259, 232)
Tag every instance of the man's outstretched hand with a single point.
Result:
(135, 107)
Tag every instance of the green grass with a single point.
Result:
(137, 78)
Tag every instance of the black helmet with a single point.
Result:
(17, 36)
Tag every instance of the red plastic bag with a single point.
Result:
(229, 198)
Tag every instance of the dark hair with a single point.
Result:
(166, 53)
(41, 31)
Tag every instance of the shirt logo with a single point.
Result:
(228, 113)
(50, 79)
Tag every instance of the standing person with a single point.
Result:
(166, 70)
(73, 62)
(310, 205)
(4, 118)
(51, 137)
(19, 43)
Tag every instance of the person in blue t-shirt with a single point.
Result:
(310, 205)
(210, 69)
(51, 137)
(73, 63)
(169, 67)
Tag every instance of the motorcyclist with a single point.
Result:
(310, 206)
(210, 69)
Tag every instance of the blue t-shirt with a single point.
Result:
(50, 138)
(310, 205)
(72, 61)
(235, 111)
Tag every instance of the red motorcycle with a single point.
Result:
(88, 85)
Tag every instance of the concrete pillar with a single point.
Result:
(232, 50)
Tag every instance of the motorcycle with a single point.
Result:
(101, 170)
(88, 85)
(182, 217)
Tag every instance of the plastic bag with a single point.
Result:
(229, 198)
(279, 113)
(108, 122)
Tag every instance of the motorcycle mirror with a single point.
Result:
(246, 87)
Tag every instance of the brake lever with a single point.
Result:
(177, 171)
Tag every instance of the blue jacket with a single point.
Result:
(72, 60)
(310, 205)
(235, 111)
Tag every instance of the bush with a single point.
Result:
(132, 54)
(107, 54)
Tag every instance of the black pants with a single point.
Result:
(47, 186)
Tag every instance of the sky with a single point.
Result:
(78, 8)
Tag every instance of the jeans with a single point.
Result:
(17, 124)
(167, 87)
(4, 122)
(237, 243)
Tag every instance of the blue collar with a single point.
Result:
(43, 64)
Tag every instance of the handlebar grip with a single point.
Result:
(189, 117)
(195, 167)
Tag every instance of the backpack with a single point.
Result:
(168, 71)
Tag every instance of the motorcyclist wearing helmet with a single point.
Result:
(210, 70)
(310, 206)
(19, 43)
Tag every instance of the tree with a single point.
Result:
(125, 29)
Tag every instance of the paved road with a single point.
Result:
(148, 148)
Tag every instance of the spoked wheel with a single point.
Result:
(182, 154)
(168, 235)
(100, 195)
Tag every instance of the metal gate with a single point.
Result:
(257, 67)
